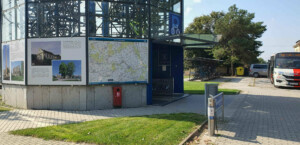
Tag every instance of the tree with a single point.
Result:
(239, 42)
(238, 45)
(63, 69)
(71, 69)
(201, 25)
(261, 61)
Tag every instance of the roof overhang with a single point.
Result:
(203, 59)
(191, 41)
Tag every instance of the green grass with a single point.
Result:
(2, 109)
(153, 129)
(199, 88)
(17, 78)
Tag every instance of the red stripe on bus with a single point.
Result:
(297, 74)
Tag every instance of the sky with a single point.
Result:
(16, 64)
(280, 16)
(52, 46)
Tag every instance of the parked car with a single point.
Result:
(257, 70)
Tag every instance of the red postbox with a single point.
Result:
(117, 96)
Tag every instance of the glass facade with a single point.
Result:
(100, 18)
(56, 18)
(121, 19)
(160, 10)
(103, 18)
(13, 20)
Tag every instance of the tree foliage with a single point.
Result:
(261, 61)
(70, 69)
(67, 69)
(238, 45)
(63, 69)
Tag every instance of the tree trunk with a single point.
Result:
(231, 63)
(232, 69)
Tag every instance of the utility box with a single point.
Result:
(117, 100)
(240, 71)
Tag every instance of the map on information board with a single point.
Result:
(118, 61)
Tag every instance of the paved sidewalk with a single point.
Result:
(267, 115)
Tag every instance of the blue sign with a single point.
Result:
(175, 24)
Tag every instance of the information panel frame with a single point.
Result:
(13, 62)
(50, 60)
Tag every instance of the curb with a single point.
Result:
(189, 137)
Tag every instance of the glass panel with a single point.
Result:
(19, 2)
(159, 22)
(177, 8)
(7, 4)
(8, 27)
(117, 19)
(56, 18)
(21, 22)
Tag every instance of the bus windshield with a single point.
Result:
(288, 63)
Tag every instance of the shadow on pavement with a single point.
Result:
(274, 117)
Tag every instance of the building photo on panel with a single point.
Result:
(66, 70)
(44, 52)
(6, 62)
(17, 71)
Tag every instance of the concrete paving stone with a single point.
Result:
(267, 115)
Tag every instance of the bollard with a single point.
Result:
(211, 117)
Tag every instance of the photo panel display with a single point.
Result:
(57, 61)
(113, 61)
(13, 62)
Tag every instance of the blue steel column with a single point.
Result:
(91, 11)
(26, 38)
(105, 27)
(182, 14)
(87, 34)
(1, 21)
(149, 85)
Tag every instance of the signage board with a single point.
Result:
(57, 61)
(13, 62)
(175, 24)
(114, 61)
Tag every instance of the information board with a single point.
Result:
(13, 62)
(57, 61)
(118, 61)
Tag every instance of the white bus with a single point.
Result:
(284, 69)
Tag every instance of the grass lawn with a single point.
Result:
(3, 109)
(153, 129)
(199, 88)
